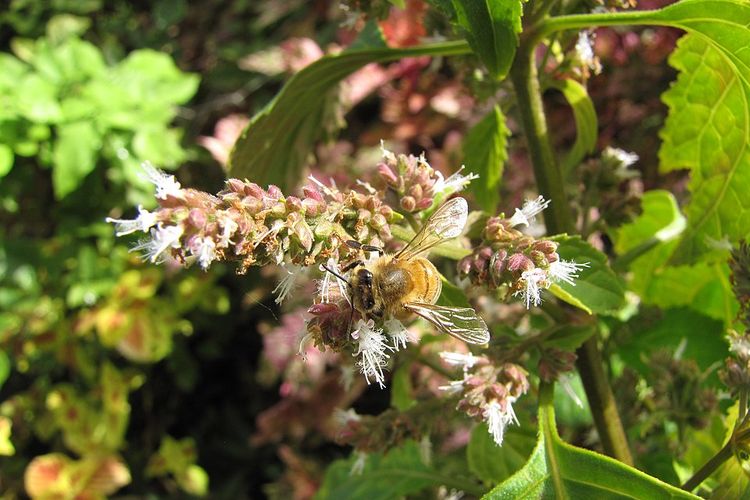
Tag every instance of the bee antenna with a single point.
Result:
(336, 274)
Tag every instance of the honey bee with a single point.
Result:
(407, 283)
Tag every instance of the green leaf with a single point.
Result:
(699, 337)
(597, 289)
(6, 160)
(274, 147)
(585, 118)
(398, 473)
(645, 245)
(708, 131)
(402, 396)
(451, 295)
(4, 368)
(485, 153)
(74, 155)
(559, 470)
(491, 27)
(569, 337)
(492, 463)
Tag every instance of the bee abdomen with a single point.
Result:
(427, 281)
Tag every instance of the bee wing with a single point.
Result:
(446, 222)
(460, 322)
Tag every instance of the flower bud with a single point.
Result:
(518, 263)
(408, 203)
(197, 218)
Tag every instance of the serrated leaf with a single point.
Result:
(648, 241)
(584, 115)
(276, 144)
(708, 126)
(74, 155)
(597, 289)
(491, 27)
(485, 153)
(559, 470)
(492, 463)
(400, 472)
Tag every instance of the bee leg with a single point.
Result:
(351, 266)
(367, 248)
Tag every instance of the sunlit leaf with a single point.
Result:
(597, 289)
(559, 470)
(74, 156)
(492, 463)
(485, 153)
(491, 27)
(585, 118)
(400, 472)
(275, 146)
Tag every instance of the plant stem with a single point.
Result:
(709, 467)
(558, 219)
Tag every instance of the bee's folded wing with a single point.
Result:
(460, 322)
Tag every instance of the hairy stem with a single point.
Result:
(709, 467)
(558, 219)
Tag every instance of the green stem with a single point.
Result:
(558, 219)
(709, 467)
(582, 21)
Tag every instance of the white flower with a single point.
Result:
(372, 348)
(454, 183)
(564, 380)
(527, 213)
(498, 418)
(302, 349)
(287, 282)
(228, 227)
(145, 221)
(740, 345)
(324, 285)
(453, 387)
(398, 333)
(535, 280)
(623, 157)
(205, 250)
(166, 185)
(388, 156)
(465, 361)
(162, 238)
(566, 271)
(359, 464)
(585, 49)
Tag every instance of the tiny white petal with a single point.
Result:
(371, 347)
(453, 387)
(454, 183)
(287, 282)
(465, 361)
(162, 238)
(166, 185)
(359, 464)
(398, 333)
(205, 251)
(740, 345)
(534, 280)
(625, 158)
(566, 271)
(388, 156)
(145, 221)
(527, 213)
(228, 227)
(584, 48)
(498, 419)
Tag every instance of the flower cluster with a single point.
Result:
(416, 183)
(487, 392)
(736, 373)
(255, 226)
(511, 260)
